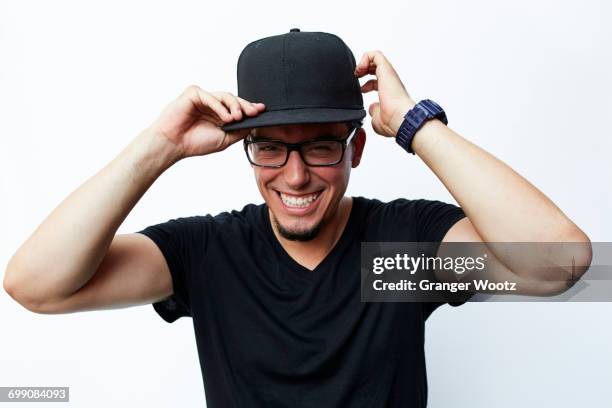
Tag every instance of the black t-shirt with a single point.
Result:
(271, 333)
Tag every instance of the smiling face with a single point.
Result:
(304, 199)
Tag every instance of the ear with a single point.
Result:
(358, 145)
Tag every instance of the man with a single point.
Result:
(274, 289)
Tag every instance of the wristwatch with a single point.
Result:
(415, 119)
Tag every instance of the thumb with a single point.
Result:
(374, 109)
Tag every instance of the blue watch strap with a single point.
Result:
(415, 119)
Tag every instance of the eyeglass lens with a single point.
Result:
(268, 153)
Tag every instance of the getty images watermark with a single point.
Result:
(459, 271)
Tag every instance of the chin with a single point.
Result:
(298, 220)
(297, 232)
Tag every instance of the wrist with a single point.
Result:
(415, 119)
(398, 117)
(154, 151)
(428, 133)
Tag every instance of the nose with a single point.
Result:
(295, 171)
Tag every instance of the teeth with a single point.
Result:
(302, 202)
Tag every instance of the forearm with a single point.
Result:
(64, 252)
(501, 204)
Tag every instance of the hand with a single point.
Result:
(393, 99)
(192, 122)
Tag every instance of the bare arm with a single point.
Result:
(65, 251)
(73, 244)
(500, 204)
(133, 272)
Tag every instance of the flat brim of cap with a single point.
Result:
(296, 116)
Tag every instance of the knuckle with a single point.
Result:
(226, 94)
(226, 97)
(234, 102)
(192, 89)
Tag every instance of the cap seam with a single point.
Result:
(284, 70)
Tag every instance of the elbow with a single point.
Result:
(583, 255)
(7, 285)
(574, 261)
(18, 293)
(580, 252)
(13, 291)
(8, 282)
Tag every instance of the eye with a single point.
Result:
(267, 147)
(321, 147)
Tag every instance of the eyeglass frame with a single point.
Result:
(297, 147)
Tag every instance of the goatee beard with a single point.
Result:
(303, 236)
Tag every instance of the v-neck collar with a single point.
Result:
(340, 243)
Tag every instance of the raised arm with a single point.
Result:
(501, 205)
(73, 260)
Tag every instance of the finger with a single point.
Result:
(371, 85)
(202, 100)
(260, 106)
(362, 66)
(231, 103)
(367, 64)
(372, 62)
(371, 70)
(248, 107)
(389, 82)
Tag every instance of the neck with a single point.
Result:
(311, 253)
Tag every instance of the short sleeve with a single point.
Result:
(183, 242)
(434, 219)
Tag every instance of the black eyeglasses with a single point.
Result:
(316, 153)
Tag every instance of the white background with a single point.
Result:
(528, 81)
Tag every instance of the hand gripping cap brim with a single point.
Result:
(297, 116)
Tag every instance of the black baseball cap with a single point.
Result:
(301, 77)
